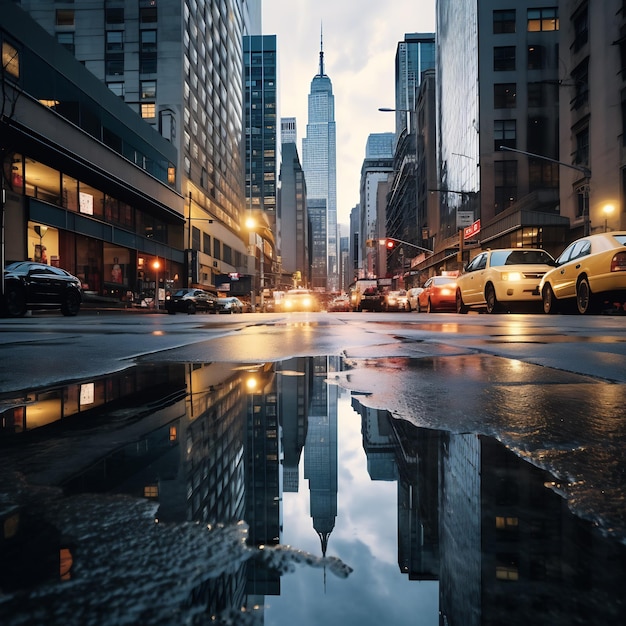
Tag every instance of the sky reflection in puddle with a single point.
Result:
(261, 494)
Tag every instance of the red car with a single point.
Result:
(439, 295)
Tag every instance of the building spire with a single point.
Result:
(321, 49)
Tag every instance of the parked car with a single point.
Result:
(438, 295)
(396, 301)
(411, 297)
(340, 304)
(299, 300)
(190, 300)
(588, 273)
(497, 279)
(231, 304)
(29, 286)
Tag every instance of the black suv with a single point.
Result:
(31, 285)
(190, 300)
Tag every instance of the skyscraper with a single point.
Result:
(319, 157)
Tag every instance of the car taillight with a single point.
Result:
(618, 262)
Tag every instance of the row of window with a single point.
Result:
(112, 15)
(34, 179)
(539, 94)
(504, 58)
(537, 20)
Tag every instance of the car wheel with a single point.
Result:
(550, 304)
(490, 299)
(15, 301)
(191, 308)
(585, 301)
(71, 304)
(460, 306)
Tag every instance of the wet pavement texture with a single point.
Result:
(356, 489)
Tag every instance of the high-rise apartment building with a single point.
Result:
(414, 55)
(498, 76)
(179, 65)
(262, 149)
(319, 158)
(293, 218)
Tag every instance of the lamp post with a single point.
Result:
(607, 209)
(254, 227)
(156, 266)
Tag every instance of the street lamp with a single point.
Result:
(607, 210)
(156, 266)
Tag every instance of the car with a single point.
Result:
(29, 285)
(340, 304)
(371, 300)
(496, 280)
(589, 273)
(190, 300)
(299, 300)
(439, 295)
(230, 304)
(411, 297)
(396, 301)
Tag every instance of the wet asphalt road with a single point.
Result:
(46, 349)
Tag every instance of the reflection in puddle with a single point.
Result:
(262, 494)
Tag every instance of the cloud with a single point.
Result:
(360, 41)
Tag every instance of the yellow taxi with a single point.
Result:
(497, 279)
(590, 273)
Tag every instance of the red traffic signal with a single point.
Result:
(390, 243)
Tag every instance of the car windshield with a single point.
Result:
(621, 239)
(181, 292)
(442, 280)
(520, 257)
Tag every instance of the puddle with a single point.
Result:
(270, 494)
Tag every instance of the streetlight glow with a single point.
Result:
(607, 209)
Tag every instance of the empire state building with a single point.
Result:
(319, 157)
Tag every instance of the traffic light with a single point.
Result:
(390, 244)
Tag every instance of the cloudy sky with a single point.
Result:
(360, 40)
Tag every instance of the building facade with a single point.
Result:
(89, 186)
(319, 159)
(179, 65)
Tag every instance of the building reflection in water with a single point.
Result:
(220, 443)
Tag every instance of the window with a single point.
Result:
(581, 29)
(217, 248)
(67, 41)
(114, 41)
(580, 76)
(114, 16)
(148, 52)
(536, 57)
(64, 17)
(206, 243)
(504, 95)
(148, 111)
(542, 174)
(503, 58)
(10, 60)
(148, 89)
(581, 156)
(505, 178)
(117, 88)
(543, 19)
(505, 133)
(504, 21)
(148, 15)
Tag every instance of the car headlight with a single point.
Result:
(511, 276)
